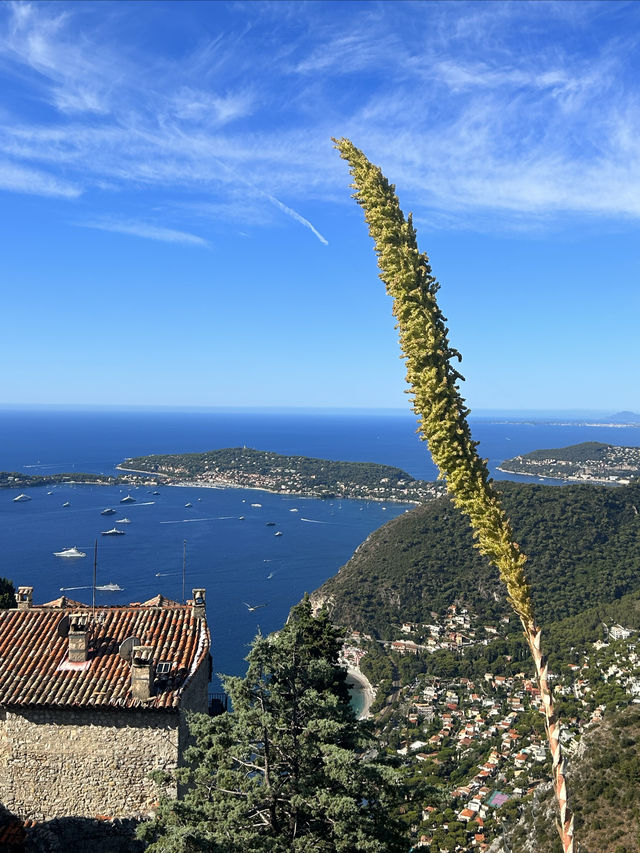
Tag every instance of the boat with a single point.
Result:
(293, 510)
(123, 521)
(127, 500)
(188, 504)
(49, 493)
(278, 533)
(241, 518)
(67, 503)
(256, 504)
(270, 524)
(69, 552)
(108, 511)
(21, 499)
(113, 532)
(155, 493)
(109, 587)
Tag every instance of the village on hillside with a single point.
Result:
(475, 748)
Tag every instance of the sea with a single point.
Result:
(222, 542)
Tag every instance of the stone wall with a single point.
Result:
(64, 762)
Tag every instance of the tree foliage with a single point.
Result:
(7, 594)
(285, 771)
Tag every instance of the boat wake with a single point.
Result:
(314, 521)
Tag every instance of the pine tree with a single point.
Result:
(433, 380)
(7, 594)
(285, 771)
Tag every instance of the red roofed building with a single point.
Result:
(86, 716)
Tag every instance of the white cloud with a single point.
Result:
(16, 178)
(150, 232)
(533, 124)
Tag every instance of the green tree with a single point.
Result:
(285, 771)
(7, 594)
(443, 414)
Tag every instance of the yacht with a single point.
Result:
(108, 511)
(127, 500)
(270, 524)
(123, 521)
(188, 504)
(256, 504)
(109, 587)
(67, 503)
(278, 533)
(21, 499)
(69, 552)
(113, 532)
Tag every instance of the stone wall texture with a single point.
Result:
(63, 762)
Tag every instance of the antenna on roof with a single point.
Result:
(184, 563)
(126, 648)
(95, 572)
(63, 627)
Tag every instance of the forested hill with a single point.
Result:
(583, 544)
(303, 475)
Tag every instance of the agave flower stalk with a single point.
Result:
(442, 414)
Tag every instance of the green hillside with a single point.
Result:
(583, 544)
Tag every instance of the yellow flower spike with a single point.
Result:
(442, 411)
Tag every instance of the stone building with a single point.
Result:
(92, 700)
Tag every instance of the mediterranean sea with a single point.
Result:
(238, 560)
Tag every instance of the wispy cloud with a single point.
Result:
(540, 121)
(149, 232)
(21, 179)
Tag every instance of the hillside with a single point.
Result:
(604, 778)
(583, 544)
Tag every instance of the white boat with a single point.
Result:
(21, 499)
(67, 503)
(69, 552)
(113, 532)
(108, 511)
(188, 504)
(127, 500)
(109, 587)
(293, 510)
(123, 521)
(278, 533)
(256, 504)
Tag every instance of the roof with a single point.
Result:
(35, 670)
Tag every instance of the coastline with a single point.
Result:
(225, 484)
(591, 480)
(354, 674)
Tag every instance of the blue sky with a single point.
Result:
(178, 230)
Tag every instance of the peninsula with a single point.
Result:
(242, 467)
(18, 480)
(589, 462)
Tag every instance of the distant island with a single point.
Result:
(589, 462)
(242, 467)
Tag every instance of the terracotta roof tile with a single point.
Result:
(34, 665)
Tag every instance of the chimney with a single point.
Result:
(79, 637)
(199, 603)
(24, 597)
(142, 672)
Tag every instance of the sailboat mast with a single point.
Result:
(95, 572)
(184, 565)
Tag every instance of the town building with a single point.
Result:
(94, 699)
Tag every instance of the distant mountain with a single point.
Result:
(624, 418)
